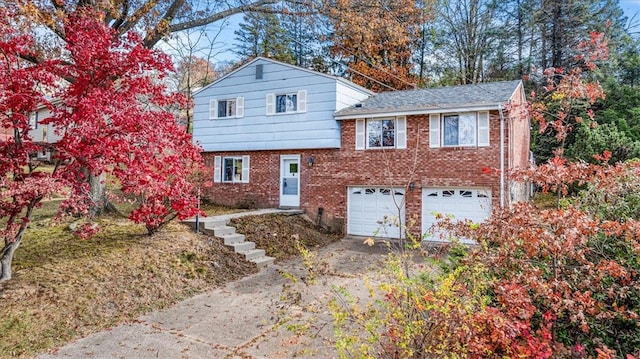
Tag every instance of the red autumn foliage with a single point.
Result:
(115, 117)
(564, 281)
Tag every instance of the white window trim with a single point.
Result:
(301, 102)
(218, 168)
(33, 120)
(213, 108)
(400, 133)
(436, 130)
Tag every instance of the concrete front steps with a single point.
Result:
(219, 229)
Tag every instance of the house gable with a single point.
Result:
(268, 105)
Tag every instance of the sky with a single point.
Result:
(630, 7)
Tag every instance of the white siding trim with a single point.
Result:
(217, 169)
(240, 106)
(434, 130)
(401, 132)
(213, 109)
(302, 101)
(245, 169)
(271, 104)
(483, 129)
(360, 134)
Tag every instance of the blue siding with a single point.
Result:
(315, 128)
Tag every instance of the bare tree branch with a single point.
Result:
(150, 41)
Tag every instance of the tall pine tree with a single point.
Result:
(260, 34)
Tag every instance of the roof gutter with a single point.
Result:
(502, 144)
(387, 113)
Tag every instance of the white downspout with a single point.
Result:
(502, 198)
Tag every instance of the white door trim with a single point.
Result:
(289, 181)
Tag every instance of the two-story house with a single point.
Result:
(41, 133)
(276, 135)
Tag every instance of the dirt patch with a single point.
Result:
(278, 234)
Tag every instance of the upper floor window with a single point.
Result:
(234, 169)
(287, 103)
(293, 102)
(459, 130)
(381, 133)
(227, 108)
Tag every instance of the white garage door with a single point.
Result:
(373, 211)
(461, 203)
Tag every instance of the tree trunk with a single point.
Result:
(7, 257)
(98, 193)
(99, 202)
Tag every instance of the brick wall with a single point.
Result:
(324, 185)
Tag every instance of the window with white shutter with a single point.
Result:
(434, 130)
(359, 134)
(294, 102)
(381, 133)
(229, 108)
(401, 132)
(271, 103)
(233, 169)
(483, 129)
(469, 129)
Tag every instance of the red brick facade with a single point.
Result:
(324, 185)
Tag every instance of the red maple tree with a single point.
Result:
(115, 117)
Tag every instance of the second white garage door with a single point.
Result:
(367, 208)
(462, 203)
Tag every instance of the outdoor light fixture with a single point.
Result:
(311, 161)
(412, 186)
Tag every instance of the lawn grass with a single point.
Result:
(64, 288)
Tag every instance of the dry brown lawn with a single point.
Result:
(65, 288)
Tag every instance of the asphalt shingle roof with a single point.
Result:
(445, 98)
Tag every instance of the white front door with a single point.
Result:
(290, 181)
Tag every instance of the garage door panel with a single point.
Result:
(368, 207)
(461, 203)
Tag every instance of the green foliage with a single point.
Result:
(260, 34)
(620, 107)
(607, 137)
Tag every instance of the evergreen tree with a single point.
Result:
(260, 34)
(306, 39)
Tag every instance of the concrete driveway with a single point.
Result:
(243, 319)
